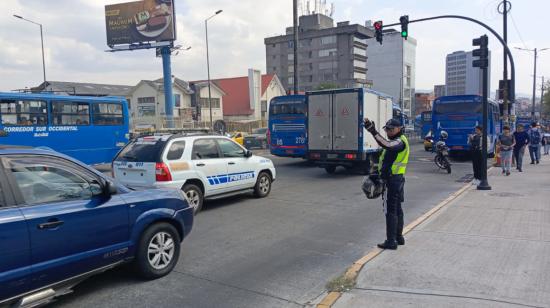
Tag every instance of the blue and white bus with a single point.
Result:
(90, 129)
(426, 122)
(458, 115)
(287, 126)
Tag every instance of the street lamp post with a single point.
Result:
(535, 51)
(42, 42)
(208, 66)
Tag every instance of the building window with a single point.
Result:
(274, 45)
(290, 57)
(215, 102)
(360, 40)
(360, 64)
(177, 100)
(291, 69)
(290, 44)
(274, 69)
(274, 57)
(328, 40)
(327, 52)
(146, 100)
(359, 51)
(291, 80)
(359, 75)
(328, 65)
(146, 111)
(305, 43)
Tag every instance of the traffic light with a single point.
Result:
(404, 20)
(482, 52)
(378, 31)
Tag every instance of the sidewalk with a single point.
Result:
(484, 249)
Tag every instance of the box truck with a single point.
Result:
(336, 136)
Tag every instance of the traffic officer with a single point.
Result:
(392, 168)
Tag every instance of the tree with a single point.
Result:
(327, 86)
(546, 101)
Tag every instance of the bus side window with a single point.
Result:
(107, 114)
(23, 112)
(70, 113)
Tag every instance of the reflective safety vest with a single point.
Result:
(400, 164)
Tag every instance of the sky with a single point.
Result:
(75, 38)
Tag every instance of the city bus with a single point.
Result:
(287, 126)
(426, 122)
(90, 129)
(458, 115)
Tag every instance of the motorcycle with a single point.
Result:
(441, 158)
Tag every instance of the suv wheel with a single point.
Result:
(263, 185)
(195, 197)
(158, 251)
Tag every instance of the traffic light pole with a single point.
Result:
(504, 45)
(484, 184)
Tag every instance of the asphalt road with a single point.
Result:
(274, 252)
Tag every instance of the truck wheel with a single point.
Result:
(194, 196)
(158, 251)
(330, 169)
(263, 185)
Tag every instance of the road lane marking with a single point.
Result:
(353, 271)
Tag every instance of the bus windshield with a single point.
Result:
(458, 107)
(289, 107)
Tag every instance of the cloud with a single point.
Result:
(74, 37)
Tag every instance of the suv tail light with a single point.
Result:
(351, 156)
(162, 173)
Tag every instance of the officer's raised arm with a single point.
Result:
(390, 145)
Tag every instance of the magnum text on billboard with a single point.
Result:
(140, 21)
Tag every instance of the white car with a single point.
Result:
(203, 166)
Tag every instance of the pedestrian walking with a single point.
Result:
(535, 139)
(474, 141)
(546, 141)
(522, 140)
(392, 168)
(506, 142)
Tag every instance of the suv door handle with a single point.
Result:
(200, 165)
(53, 223)
(231, 163)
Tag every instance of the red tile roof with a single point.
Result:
(237, 98)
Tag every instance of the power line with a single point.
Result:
(517, 31)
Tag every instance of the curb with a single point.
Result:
(353, 271)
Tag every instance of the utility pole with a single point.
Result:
(533, 114)
(542, 96)
(507, 6)
(536, 51)
(295, 14)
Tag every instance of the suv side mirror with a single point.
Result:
(248, 153)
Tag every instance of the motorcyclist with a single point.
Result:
(392, 168)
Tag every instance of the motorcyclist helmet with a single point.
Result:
(372, 186)
(444, 135)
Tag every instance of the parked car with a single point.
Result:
(258, 139)
(204, 167)
(238, 137)
(62, 221)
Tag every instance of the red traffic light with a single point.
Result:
(378, 25)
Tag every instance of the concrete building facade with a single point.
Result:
(326, 54)
(461, 78)
(392, 68)
(439, 90)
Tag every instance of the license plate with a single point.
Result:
(332, 156)
(289, 151)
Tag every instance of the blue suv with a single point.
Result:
(62, 221)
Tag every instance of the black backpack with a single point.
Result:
(535, 137)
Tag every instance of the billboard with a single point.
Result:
(140, 21)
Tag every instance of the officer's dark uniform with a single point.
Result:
(392, 168)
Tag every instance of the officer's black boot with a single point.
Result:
(399, 237)
(391, 227)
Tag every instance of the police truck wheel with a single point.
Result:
(330, 169)
(263, 185)
(194, 196)
(158, 251)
